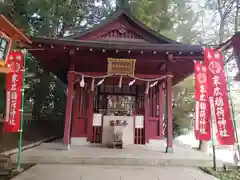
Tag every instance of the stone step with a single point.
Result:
(119, 161)
(5, 161)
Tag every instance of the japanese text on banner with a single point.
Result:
(202, 126)
(218, 94)
(13, 92)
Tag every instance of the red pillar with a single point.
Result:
(90, 116)
(161, 110)
(146, 113)
(169, 148)
(68, 113)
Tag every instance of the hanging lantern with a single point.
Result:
(8, 34)
(82, 83)
(132, 82)
(5, 45)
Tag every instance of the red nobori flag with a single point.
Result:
(218, 96)
(202, 126)
(13, 92)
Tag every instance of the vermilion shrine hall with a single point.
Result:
(118, 73)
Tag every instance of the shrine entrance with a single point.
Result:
(113, 102)
(94, 112)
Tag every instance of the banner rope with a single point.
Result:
(110, 75)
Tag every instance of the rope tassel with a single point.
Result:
(82, 83)
(100, 82)
(147, 88)
(93, 83)
(132, 82)
(153, 84)
(120, 82)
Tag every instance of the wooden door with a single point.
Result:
(154, 117)
(80, 121)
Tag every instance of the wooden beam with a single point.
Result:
(169, 148)
(68, 113)
(90, 115)
(120, 46)
(161, 110)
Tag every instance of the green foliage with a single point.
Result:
(183, 105)
(45, 18)
(153, 14)
(232, 174)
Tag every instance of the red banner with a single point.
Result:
(202, 126)
(13, 92)
(218, 97)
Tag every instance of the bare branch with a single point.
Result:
(236, 16)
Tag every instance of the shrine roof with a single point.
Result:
(13, 32)
(119, 36)
(184, 48)
(125, 14)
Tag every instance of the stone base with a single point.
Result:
(169, 150)
(68, 147)
(79, 141)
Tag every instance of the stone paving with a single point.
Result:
(93, 172)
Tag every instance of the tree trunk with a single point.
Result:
(203, 145)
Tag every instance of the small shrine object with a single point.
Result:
(118, 126)
(9, 34)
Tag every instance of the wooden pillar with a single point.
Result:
(68, 112)
(90, 115)
(146, 114)
(169, 148)
(161, 110)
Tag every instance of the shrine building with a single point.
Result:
(119, 72)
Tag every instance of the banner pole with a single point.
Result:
(232, 110)
(213, 149)
(213, 132)
(21, 119)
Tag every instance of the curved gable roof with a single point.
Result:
(123, 13)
